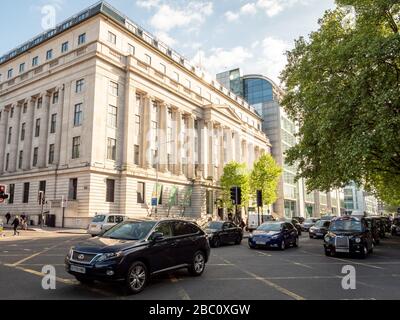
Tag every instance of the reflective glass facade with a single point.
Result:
(257, 91)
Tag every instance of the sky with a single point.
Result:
(217, 35)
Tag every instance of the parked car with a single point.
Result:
(387, 223)
(348, 235)
(395, 230)
(300, 219)
(278, 234)
(308, 223)
(373, 225)
(296, 224)
(328, 217)
(319, 230)
(103, 222)
(223, 232)
(133, 251)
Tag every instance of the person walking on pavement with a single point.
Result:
(15, 224)
(8, 217)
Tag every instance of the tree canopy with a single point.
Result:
(343, 88)
(235, 175)
(265, 176)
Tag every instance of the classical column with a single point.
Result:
(211, 148)
(44, 132)
(13, 146)
(244, 152)
(190, 147)
(29, 134)
(229, 145)
(163, 137)
(65, 138)
(179, 142)
(237, 146)
(60, 113)
(128, 123)
(204, 148)
(3, 137)
(146, 137)
(221, 151)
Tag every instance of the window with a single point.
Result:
(11, 191)
(79, 85)
(9, 135)
(136, 155)
(64, 47)
(55, 97)
(53, 123)
(111, 219)
(181, 228)
(35, 61)
(131, 49)
(112, 116)
(49, 54)
(73, 189)
(7, 161)
(188, 84)
(165, 228)
(147, 59)
(40, 103)
(23, 131)
(163, 68)
(76, 143)
(37, 128)
(12, 112)
(112, 37)
(42, 186)
(78, 115)
(110, 190)
(20, 159)
(10, 73)
(25, 198)
(114, 88)
(111, 149)
(82, 39)
(51, 154)
(141, 188)
(35, 156)
(175, 76)
(25, 108)
(21, 67)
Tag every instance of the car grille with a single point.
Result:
(342, 242)
(82, 257)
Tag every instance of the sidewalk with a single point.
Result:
(48, 229)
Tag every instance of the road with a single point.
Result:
(233, 272)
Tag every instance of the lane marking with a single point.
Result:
(181, 292)
(269, 283)
(263, 254)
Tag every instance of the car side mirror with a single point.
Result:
(157, 236)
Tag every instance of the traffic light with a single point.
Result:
(3, 195)
(259, 198)
(236, 195)
(41, 198)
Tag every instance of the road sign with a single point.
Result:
(154, 201)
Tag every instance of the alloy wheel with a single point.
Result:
(137, 277)
(199, 262)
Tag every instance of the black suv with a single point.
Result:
(348, 235)
(220, 232)
(134, 250)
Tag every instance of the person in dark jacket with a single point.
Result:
(15, 224)
(8, 217)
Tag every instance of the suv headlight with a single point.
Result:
(250, 235)
(275, 237)
(357, 240)
(70, 253)
(109, 256)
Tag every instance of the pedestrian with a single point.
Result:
(8, 217)
(15, 224)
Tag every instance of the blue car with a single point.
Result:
(279, 235)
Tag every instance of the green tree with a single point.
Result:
(235, 175)
(343, 88)
(265, 176)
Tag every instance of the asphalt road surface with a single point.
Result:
(233, 272)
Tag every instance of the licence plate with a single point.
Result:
(78, 269)
(342, 250)
(320, 234)
(260, 242)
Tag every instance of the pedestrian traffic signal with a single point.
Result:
(3, 195)
(236, 195)
(259, 198)
(41, 198)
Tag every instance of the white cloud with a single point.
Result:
(249, 8)
(147, 4)
(166, 38)
(274, 7)
(220, 59)
(231, 16)
(167, 17)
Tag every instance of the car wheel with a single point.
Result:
(296, 242)
(252, 246)
(238, 240)
(215, 242)
(198, 264)
(84, 280)
(137, 277)
(282, 246)
(329, 253)
(364, 252)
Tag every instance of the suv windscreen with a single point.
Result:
(99, 218)
(346, 225)
(270, 227)
(215, 225)
(130, 230)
